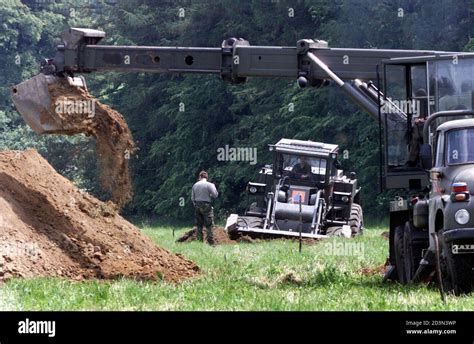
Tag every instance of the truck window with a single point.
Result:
(419, 91)
(454, 84)
(460, 148)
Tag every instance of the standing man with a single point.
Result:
(202, 194)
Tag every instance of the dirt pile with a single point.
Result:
(75, 110)
(220, 236)
(48, 227)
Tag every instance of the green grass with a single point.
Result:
(244, 277)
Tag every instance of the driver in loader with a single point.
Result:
(302, 169)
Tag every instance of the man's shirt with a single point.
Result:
(203, 191)
(304, 168)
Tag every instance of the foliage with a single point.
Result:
(175, 145)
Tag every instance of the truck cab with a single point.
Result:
(452, 178)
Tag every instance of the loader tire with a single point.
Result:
(456, 269)
(356, 220)
(399, 254)
(414, 241)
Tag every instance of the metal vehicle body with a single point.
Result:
(330, 201)
(430, 223)
(406, 91)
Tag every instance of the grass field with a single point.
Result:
(270, 275)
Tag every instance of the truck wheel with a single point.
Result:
(456, 269)
(399, 254)
(356, 220)
(414, 241)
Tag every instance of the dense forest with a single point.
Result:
(179, 122)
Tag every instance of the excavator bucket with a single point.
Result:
(32, 100)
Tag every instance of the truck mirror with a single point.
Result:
(426, 156)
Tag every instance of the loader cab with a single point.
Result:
(304, 162)
(302, 168)
(413, 90)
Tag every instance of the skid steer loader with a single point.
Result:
(304, 193)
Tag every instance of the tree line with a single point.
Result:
(180, 122)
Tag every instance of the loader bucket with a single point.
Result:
(33, 101)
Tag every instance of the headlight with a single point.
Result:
(253, 189)
(462, 216)
(345, 199)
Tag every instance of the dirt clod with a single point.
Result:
(378, 270)
(41, 236)
(290, 278)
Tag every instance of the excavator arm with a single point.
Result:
(310, 62)
(234, 60)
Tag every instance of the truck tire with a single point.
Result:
(414, 241)
(456, 270)
(399, 254)
(356, 220)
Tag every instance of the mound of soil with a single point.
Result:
(114, 140)
(48, 227)
(220, 236)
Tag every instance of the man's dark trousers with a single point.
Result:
(204, 218)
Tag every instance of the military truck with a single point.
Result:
(304, 190)
(434, 228)
(429, 160)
